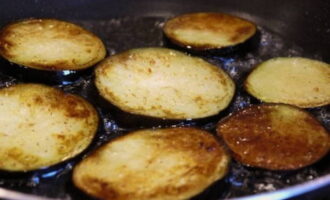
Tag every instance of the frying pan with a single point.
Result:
(288, 28)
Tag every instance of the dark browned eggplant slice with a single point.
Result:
(163, 83)
(174, 163)
(208, 31)
(42, 126)
(39, 48)
(298, 81)
(275, 137)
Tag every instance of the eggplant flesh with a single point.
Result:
(209, 32)
(42, 126)
(297, 81)
(164, 83)
(49, 50)
(173, 163)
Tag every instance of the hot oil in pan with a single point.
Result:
(132, 32)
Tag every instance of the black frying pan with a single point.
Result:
(288, 28)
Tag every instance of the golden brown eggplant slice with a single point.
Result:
(42, 126)
(208, 31)
(275, 137)
(164, 83)
(157, 164)
(298, 81)
(51, 46)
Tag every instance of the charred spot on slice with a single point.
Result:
(275, 137)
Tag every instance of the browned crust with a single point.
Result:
(255, 141)
(202, 146)
(71, 31)
(207, 23)
(19, 156)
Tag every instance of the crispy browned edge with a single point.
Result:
(237, 157)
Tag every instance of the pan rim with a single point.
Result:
(285, 193)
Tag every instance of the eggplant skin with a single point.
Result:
(208, 31)
(164, 83)
(153, 164)
(42, 126)
(50, 44)
(30, 75)
(297, 81)
(274, 137)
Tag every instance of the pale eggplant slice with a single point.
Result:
(153, 164)
(297, 81)
(50, 46)
(274, 137)
(41, 126)
(164, 83)
(208, 31)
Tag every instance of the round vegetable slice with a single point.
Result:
(173, 163)
(42, 126)
(164, 83)
(275, 137)
(298, 81)
(50, 45)
(205, 31)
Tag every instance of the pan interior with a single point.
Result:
(124, 33)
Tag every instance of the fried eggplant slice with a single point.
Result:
(164, 83)
(297, 81)
(50, 46)
(153, 164)
(207, 30)
(274, 137)
(41, 126)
